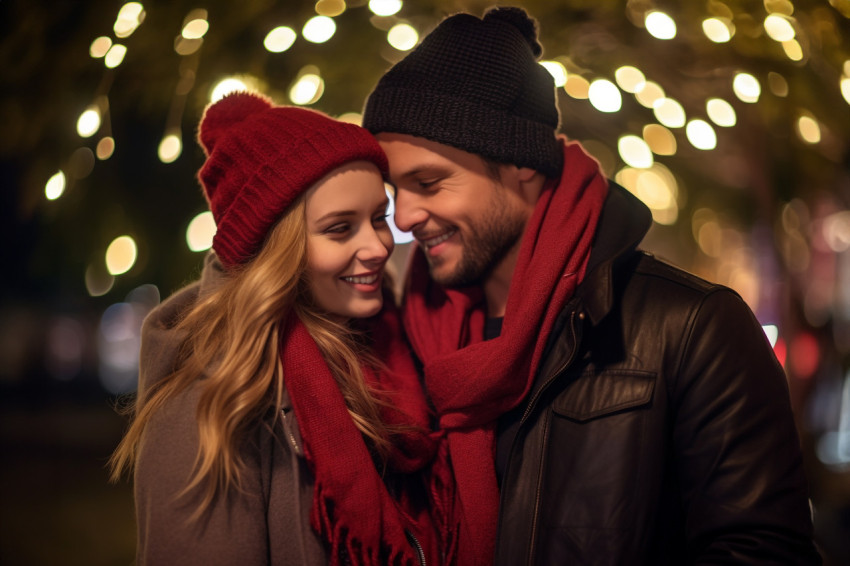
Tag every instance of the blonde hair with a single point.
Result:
(232, 339)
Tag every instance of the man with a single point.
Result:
(601, 407)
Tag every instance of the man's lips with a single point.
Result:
(431, 241)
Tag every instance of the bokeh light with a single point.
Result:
(669, 112)
(701, 134)
(659, 139)
(746, 87)
(121, 255)
(557, 70)
(319, 29)
(279, 39)
(634, 151)
(227, 86)
(660, 25)
(308, 88)
(330, 8)
(779, 27)
(100, 46)
(115, 56)
(577, 86)
(605, 96)
(721, 112)
(200, 232)
(89, 122)
(385, 7)
(195, 29)
(105, 148)
(403, 37)
(170, 148)
(630, 79)
(55, 186)
(808, 129)
(650, 92)
(130, 16)
(718, 30)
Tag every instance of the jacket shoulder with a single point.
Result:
(663, 272)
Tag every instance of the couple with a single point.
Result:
(547, 394)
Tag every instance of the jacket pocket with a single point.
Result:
(599, 464)
(594, 396)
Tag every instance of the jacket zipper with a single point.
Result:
(414, 542)
(561, 368)
(531, 404)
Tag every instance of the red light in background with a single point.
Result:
(780, 350)
(804, 355)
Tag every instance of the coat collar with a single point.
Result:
(624, 222)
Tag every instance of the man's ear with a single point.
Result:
(525, 174)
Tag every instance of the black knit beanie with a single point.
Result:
(475, 84)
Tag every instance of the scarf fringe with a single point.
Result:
(346, 549)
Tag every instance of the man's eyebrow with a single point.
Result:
(423, 168)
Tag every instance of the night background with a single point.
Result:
(733, 126)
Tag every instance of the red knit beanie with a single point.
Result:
(260, 157)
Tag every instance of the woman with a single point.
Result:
(279, 419)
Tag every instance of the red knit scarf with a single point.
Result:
(352, 508)
(472, 382)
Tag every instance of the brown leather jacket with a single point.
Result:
(659, 430)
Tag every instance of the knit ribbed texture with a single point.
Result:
(475, 84)
(261, 157)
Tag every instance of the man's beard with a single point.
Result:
(484, 246)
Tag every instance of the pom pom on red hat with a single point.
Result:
(234, 108)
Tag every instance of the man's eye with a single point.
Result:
(427, 184)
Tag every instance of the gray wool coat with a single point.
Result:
(265, 524)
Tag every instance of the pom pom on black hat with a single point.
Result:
(518, 17)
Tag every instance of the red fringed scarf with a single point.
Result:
(472, 382)
(352, 508)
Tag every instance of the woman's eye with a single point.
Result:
(380, 219)
(336, 229)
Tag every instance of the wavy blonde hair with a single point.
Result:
(232, 339)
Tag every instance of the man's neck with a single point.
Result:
(498, 284)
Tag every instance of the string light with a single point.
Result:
(701, 134)
(308, 87)
(721, 112)
(650, 92)
(200, 232)
(318, 29)
(659, 139)
(635, 152)
(630, 79)
(403, 37)
(55, 186)
(669, 112)
(121, 255)
(89, 122)
(279, 39)
(660, 25)
(718, 30)
(605, 96)
(385, 7)
(746, 87)
(557, 70)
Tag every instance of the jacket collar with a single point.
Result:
(624, 222)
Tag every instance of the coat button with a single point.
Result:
(581, 315)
